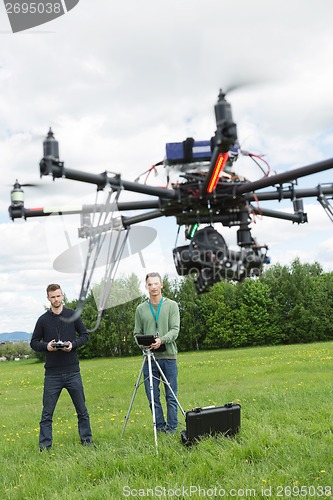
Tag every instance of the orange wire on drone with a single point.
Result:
(260, 157)
(259, 209)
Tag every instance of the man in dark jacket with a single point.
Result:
(62, 370)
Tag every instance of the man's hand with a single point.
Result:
(68, 348)
(156, 344)
(49, 346)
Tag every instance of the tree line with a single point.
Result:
(286, 305)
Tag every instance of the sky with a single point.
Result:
(116, 81)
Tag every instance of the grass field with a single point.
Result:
(284, 448)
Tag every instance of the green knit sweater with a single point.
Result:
(168, 325)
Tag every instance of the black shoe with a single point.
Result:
(45, 448)
(170, 430)
(87, 442)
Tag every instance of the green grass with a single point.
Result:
(284, 448)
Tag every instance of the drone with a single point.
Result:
(208, 192)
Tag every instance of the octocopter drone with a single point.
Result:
(209, 192)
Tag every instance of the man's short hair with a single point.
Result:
(52, 288)
(153, 275)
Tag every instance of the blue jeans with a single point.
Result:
(53, 385)
(170, 370)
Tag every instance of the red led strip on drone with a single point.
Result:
(219, 166)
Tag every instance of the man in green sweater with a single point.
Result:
(159, 316)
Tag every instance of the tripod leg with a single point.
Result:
(151, 387)
(137, 384)
(166, 382)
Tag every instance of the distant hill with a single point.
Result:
(15, 337)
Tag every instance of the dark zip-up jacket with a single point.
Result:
(50, 326)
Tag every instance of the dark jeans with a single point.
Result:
(170, 370)
(53, 385)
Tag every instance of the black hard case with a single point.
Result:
(211, 421)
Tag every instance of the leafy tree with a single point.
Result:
(114, 334)
(12, 350)
(296, 296)
(324, 306)
(287, 304)
(218, 309)
(192, 322)
(252, 316)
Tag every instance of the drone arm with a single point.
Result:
(136, 219)
(137, 205)
(285, 176)
(290, 194)
(299, 217)
(57, 169)
(20, 212)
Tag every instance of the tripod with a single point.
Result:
(149, 357)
